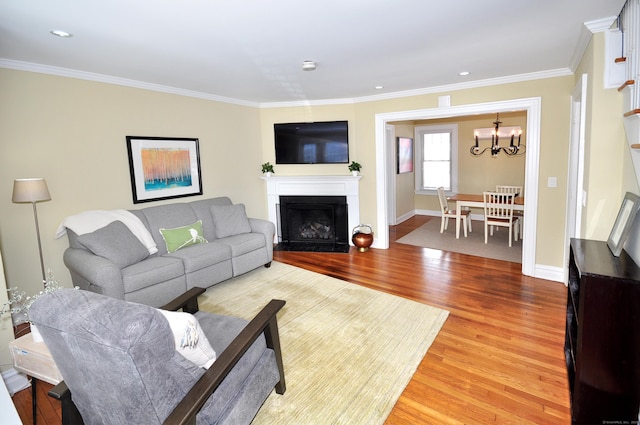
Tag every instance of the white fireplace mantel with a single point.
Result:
(314, 186)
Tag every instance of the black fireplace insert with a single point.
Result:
(313, 223)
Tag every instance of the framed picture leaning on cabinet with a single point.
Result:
(624, 221)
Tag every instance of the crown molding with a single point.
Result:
(600, 25)
(70, 73)
(588, 29)
(101, 78)
(560, 72)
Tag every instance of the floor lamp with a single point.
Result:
(32, 191)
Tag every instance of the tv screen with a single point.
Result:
(312, 143)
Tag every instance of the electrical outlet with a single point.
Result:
(552, 182)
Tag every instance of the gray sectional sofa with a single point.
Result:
(212, 240)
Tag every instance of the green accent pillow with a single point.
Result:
(182, 237)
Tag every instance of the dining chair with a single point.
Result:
(447, 213)
(509, 189)
(519, 214)
(498, 211)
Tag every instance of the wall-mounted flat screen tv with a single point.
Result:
(312, 142)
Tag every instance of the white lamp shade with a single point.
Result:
(30, 190)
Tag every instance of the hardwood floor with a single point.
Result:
(499, 356)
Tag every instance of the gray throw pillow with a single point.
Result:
(116, 243)
(230, 220)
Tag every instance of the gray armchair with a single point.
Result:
(120, 364)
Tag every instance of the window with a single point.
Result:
(437, 158)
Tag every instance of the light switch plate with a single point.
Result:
(552, 182)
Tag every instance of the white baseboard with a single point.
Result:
(15, 381)
(549, 273)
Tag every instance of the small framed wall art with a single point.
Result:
(623, 223)
(404, 149)
(163, 168)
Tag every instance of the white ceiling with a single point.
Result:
(253, 51)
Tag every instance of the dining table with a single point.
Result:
(475, 200)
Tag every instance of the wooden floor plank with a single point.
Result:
(499, 356)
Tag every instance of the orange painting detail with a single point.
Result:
(165, 168)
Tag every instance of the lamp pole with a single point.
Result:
(35, 216)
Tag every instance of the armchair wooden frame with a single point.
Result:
(264, 322)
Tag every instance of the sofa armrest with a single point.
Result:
(264, 322)
(94, 273)
(268, 229)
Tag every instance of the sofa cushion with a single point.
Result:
(200, 256)
(182, 237)
(189, 338)
(230, 220)
(244, 243)
(150, 272)
(116, 243)
(202, 209)
(167, 216)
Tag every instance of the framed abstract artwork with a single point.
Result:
(163, 168)
(624, 221)
(404, 149)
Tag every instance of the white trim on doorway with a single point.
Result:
(576, 196)
(533, 108)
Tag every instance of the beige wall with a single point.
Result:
(405, 182)
(477, 173)
(270, 116)
(555, 94)
(608, 167)
(72, 132)
(480, 173)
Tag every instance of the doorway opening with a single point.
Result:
(384, 148)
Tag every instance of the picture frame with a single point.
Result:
(404, 149)
(163, 168)
(624, 221)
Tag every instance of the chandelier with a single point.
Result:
(514, 148)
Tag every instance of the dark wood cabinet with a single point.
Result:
(602, 343)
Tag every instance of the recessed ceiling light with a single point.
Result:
(463, 73)
(308, 66)
(59, 33)
(379, 87)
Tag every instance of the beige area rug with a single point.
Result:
(428, 236)
(348, 351)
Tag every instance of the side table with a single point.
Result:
(34, 359)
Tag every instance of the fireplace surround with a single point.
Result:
(311, 186)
